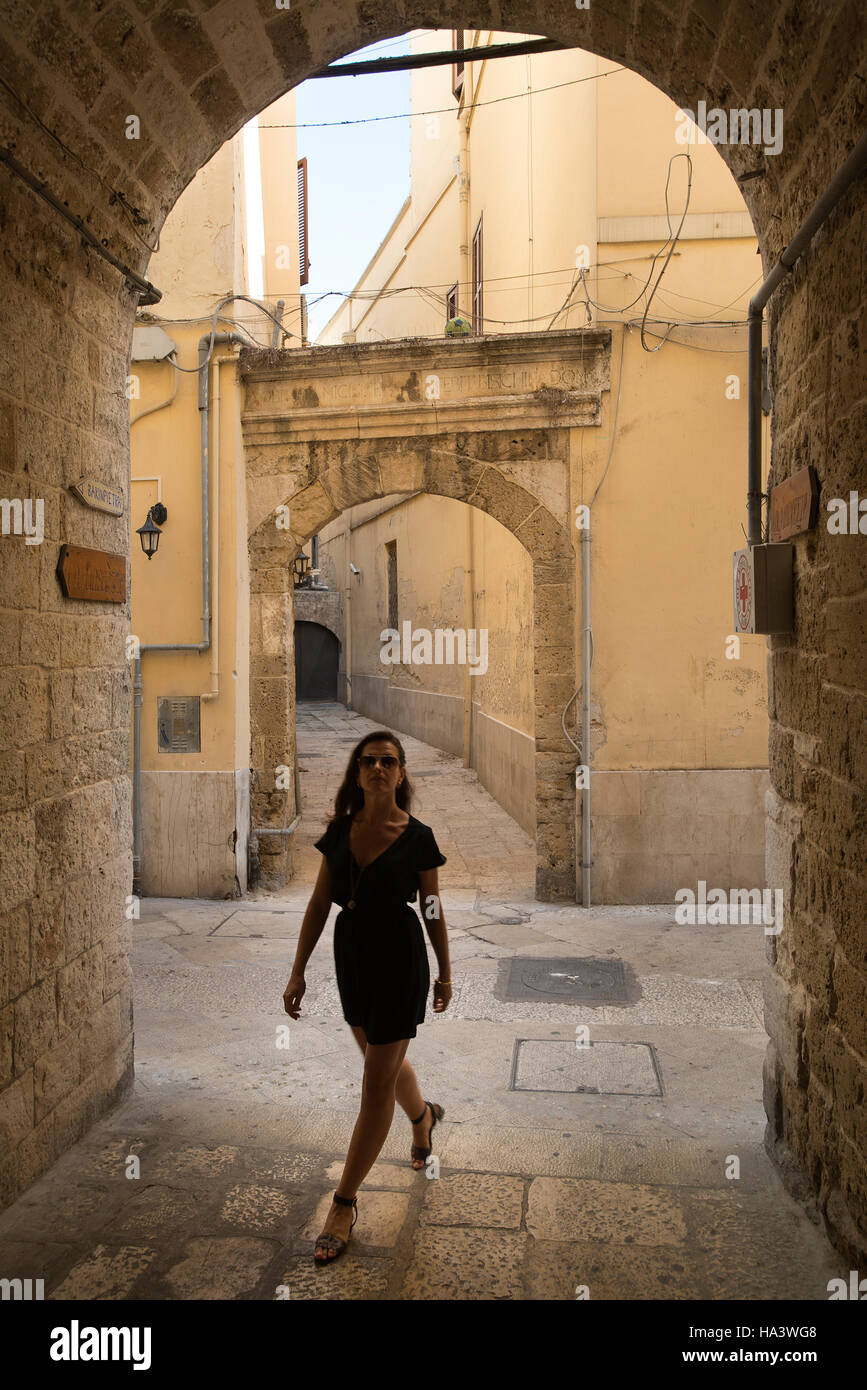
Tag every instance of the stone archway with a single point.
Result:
(480, 422)
(192, 75)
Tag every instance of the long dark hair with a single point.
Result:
(350, 797)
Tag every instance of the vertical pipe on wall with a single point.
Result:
(136, 780)
(585, 711)
(347, 646)
(469, 598)
(465, 293)
(214, 527)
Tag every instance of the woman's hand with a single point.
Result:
(293, 994)
(442, 997)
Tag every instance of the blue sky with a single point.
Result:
(358, 175)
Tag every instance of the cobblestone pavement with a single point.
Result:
(213, 1179)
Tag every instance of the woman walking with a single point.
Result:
(376, 859)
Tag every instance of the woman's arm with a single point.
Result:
(434, 918)
(315, 918)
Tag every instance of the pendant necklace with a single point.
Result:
(353, 886)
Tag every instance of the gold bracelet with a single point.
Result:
(442, 982)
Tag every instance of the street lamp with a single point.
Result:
(150, 533)
(300, 566)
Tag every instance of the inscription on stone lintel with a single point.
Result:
(455, 386)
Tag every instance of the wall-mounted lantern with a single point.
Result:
(300, 566)
(150, 533)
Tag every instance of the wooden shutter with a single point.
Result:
(478, 282)
(302, 221)
(458, 67)
(391, 557)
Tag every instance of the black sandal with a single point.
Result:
(331, 1242)
(417, 1152)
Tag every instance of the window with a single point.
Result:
(452, 303)
(457, 67)
(391, 559)
(478, 282)
(302, 221)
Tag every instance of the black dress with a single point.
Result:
(379, 946)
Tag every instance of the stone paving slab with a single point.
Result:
(359, 1277)
(463, 1263)
(588, 1270)
(106, 1272)
(473, 1199)
(753, 1248)
(381, 1216)
(614, 1213)
(221, 1268)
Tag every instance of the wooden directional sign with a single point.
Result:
(794, 504)
(100, 495)
(92, 574)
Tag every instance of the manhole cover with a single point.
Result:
(585, 980)
(600, 1068)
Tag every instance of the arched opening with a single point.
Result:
(332, 477)
(194, 85)
(317, 655)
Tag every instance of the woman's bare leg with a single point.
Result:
(408, 1097)
(382, 1063)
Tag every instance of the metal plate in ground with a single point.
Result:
(565, 980)
(600, 1068)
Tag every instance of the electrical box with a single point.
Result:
(763, 587)
(150, 343)
(178, 729)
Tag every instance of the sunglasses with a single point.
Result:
(388, 762)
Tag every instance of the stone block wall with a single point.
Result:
(66, 1034)
(816, 830)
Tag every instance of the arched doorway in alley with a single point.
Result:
(338, 476)
(317, 653)
(479, 422)
(193, 67)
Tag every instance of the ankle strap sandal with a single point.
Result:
(327, 1241)
(417, 1152)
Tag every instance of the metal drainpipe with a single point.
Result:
(347, 614)
(204, 379)
(846, 175)
(585, 711)
(469, 600)
(465, 289)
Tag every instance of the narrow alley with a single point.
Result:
(558, 1163)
